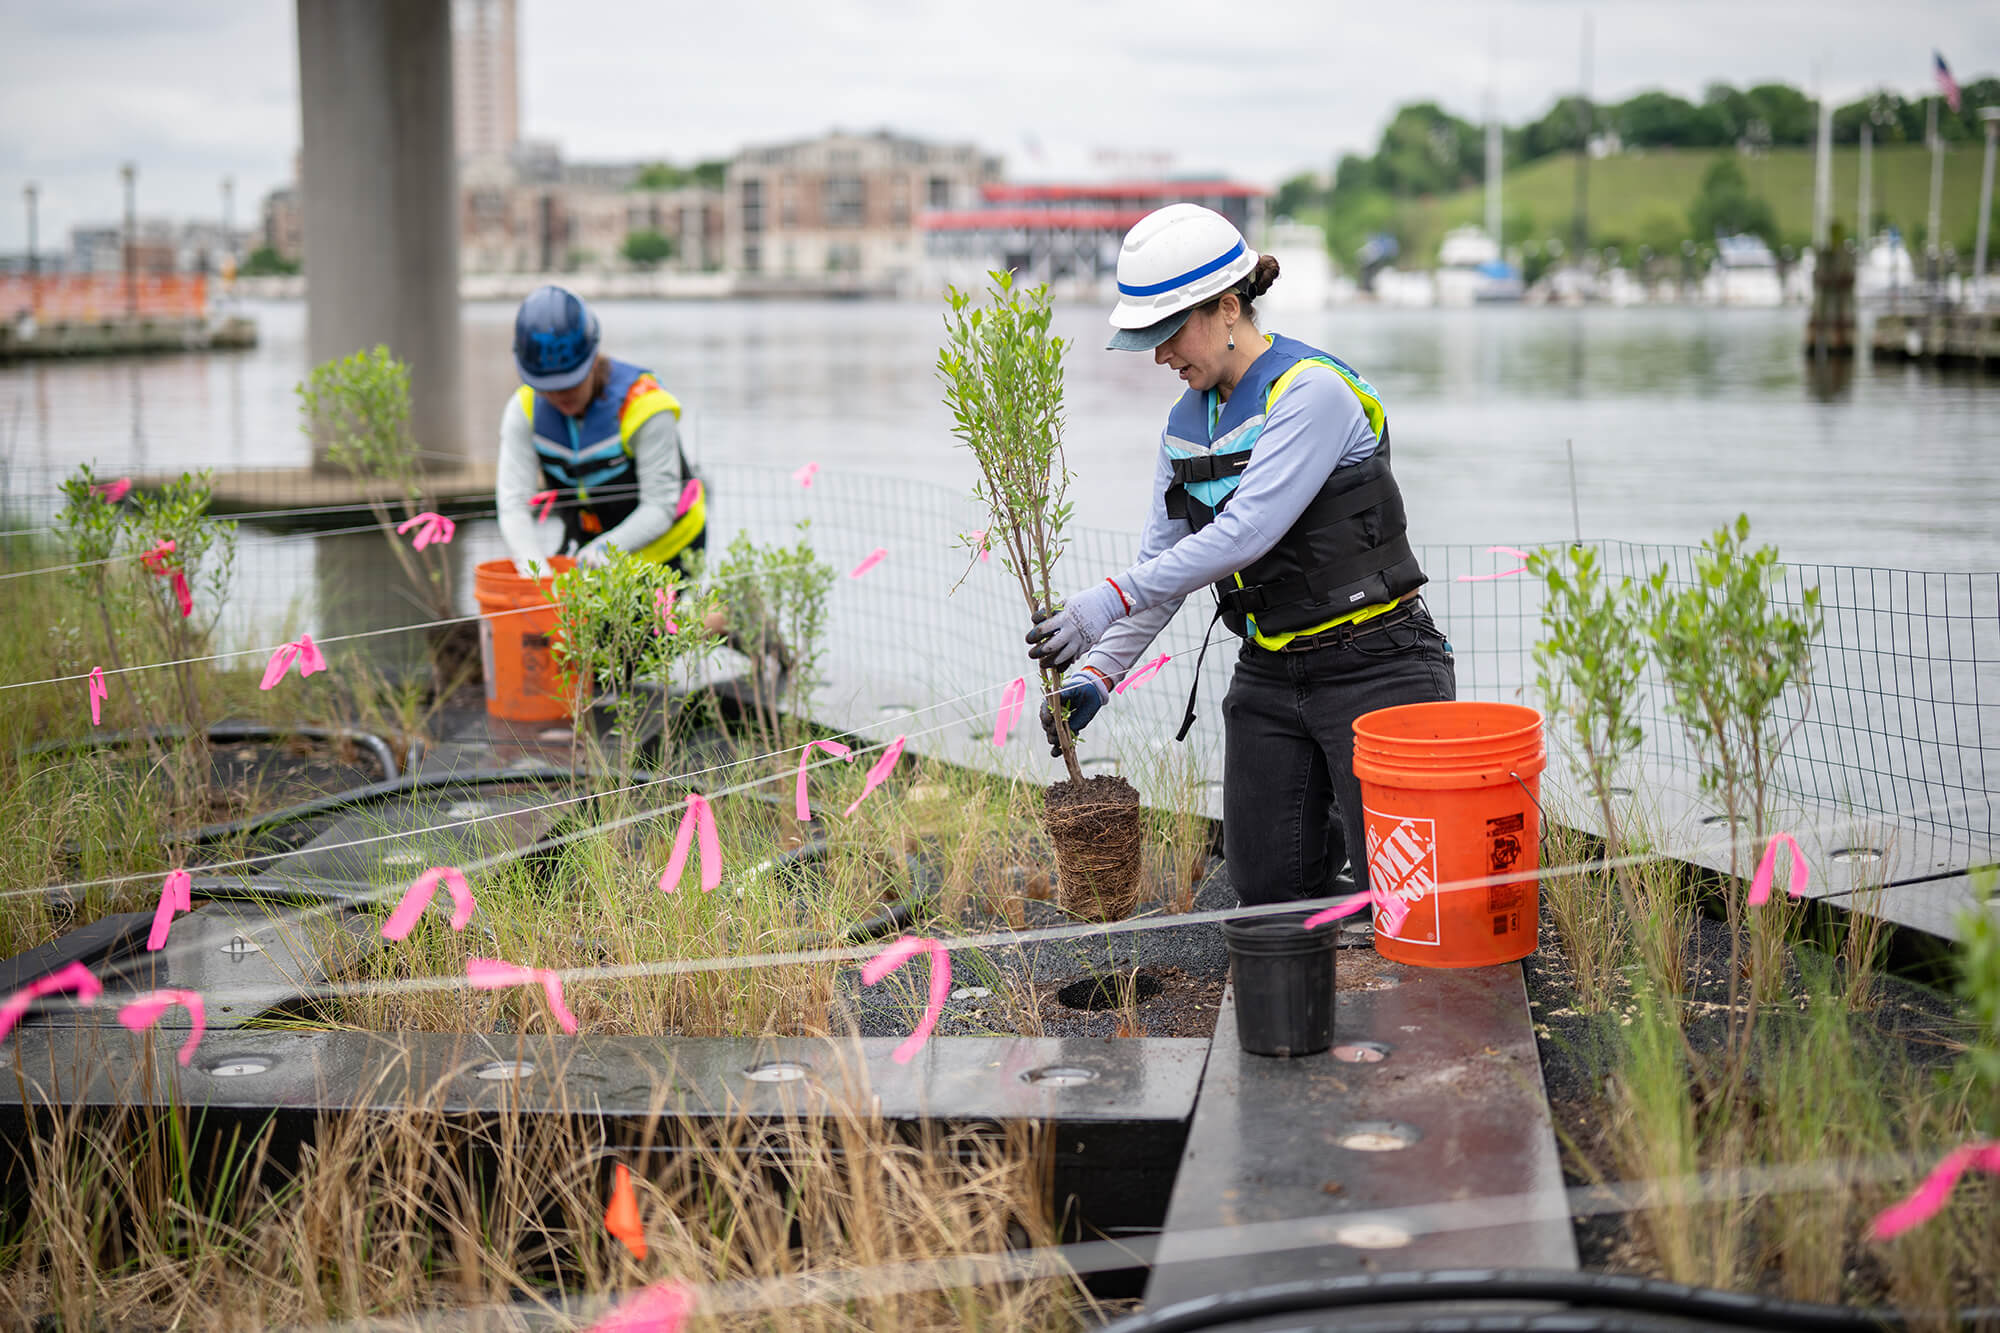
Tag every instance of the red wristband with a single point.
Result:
(1121, 595)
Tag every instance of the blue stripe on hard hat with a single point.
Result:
(1154, 289)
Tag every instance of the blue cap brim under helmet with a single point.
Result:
(1146, 339)
(556, 383)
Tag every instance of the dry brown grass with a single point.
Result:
(413, 1213)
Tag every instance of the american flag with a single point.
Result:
(1945, 81)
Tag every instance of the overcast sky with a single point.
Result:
(197, 90)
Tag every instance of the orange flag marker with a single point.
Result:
(621, 1219)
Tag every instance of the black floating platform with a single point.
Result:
(1116, 1112)
(1421, 1142)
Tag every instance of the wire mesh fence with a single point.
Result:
(1902, 719)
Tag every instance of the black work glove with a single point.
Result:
(1081, 696)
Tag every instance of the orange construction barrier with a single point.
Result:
(523, 683)
(1452, 792)
(96, 296)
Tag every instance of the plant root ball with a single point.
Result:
(1098, 833)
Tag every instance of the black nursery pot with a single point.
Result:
(1284, 983)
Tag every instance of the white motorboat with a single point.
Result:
(1745, 273)
(1471, 271)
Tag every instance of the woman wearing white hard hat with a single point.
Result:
(1273, 486)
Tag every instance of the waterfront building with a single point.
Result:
(485, 60)
(569, 217)
(844, 212)
(1067, 232)
(284, 226)
(161, 246)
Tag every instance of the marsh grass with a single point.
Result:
(1589, 920)
(595, 902)
(148, 1218)
(1179, 835)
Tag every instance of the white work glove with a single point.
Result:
(530, 569)
(594, 556)
(1067, 633)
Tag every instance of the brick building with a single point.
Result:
(843, 209)
(580, 220)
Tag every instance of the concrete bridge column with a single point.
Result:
(379, 187)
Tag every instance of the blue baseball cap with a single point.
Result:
(555, 339)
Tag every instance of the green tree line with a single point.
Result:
(1427, 151)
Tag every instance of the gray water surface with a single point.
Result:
(1680, 417)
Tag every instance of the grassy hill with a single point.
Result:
(1644, 196)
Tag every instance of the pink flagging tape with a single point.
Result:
(1929, 1198)
(145, 1011)
(99, 692)
(1767, 871)
(541, 502)
(978, 539)
(156, 561)
(430, 528)
(1012, 701)
(879, 773)
(689, 494)
(804, 476)
(111, 492)
(305, 652)
(159, 563)
(869, 561)
(493, 974)
(176, 895)
(663, 602)
(893, 957)
(1346, 907)
(660, 1308)
(1391, 908)
(410, 909)
(800, 807)
(74, 977)
(1503, 574)
(698, 821)
(1144, 673)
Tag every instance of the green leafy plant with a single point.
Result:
(1730, 655)
(625, 621)
(1003, 375)
(1590, 665)
(92, 532)
(204, 554)
(358, 408)
(1979, 983)
(137, 603)
(774, 598)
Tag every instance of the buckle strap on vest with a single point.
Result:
(1211, 467)
(1254, 599)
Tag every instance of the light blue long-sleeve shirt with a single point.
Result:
(1316, 425)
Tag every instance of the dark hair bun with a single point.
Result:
(1263, 276)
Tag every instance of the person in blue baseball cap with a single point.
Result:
(603, 435)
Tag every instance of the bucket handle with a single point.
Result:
(1530, 795)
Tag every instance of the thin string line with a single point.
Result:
(249, 515)
(73, 886)
(361, 634)
(991, 939)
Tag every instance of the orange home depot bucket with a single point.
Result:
(515, 622)
(1450, 792)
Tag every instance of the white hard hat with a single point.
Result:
(1175, 258)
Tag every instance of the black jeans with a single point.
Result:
(1291, 805)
